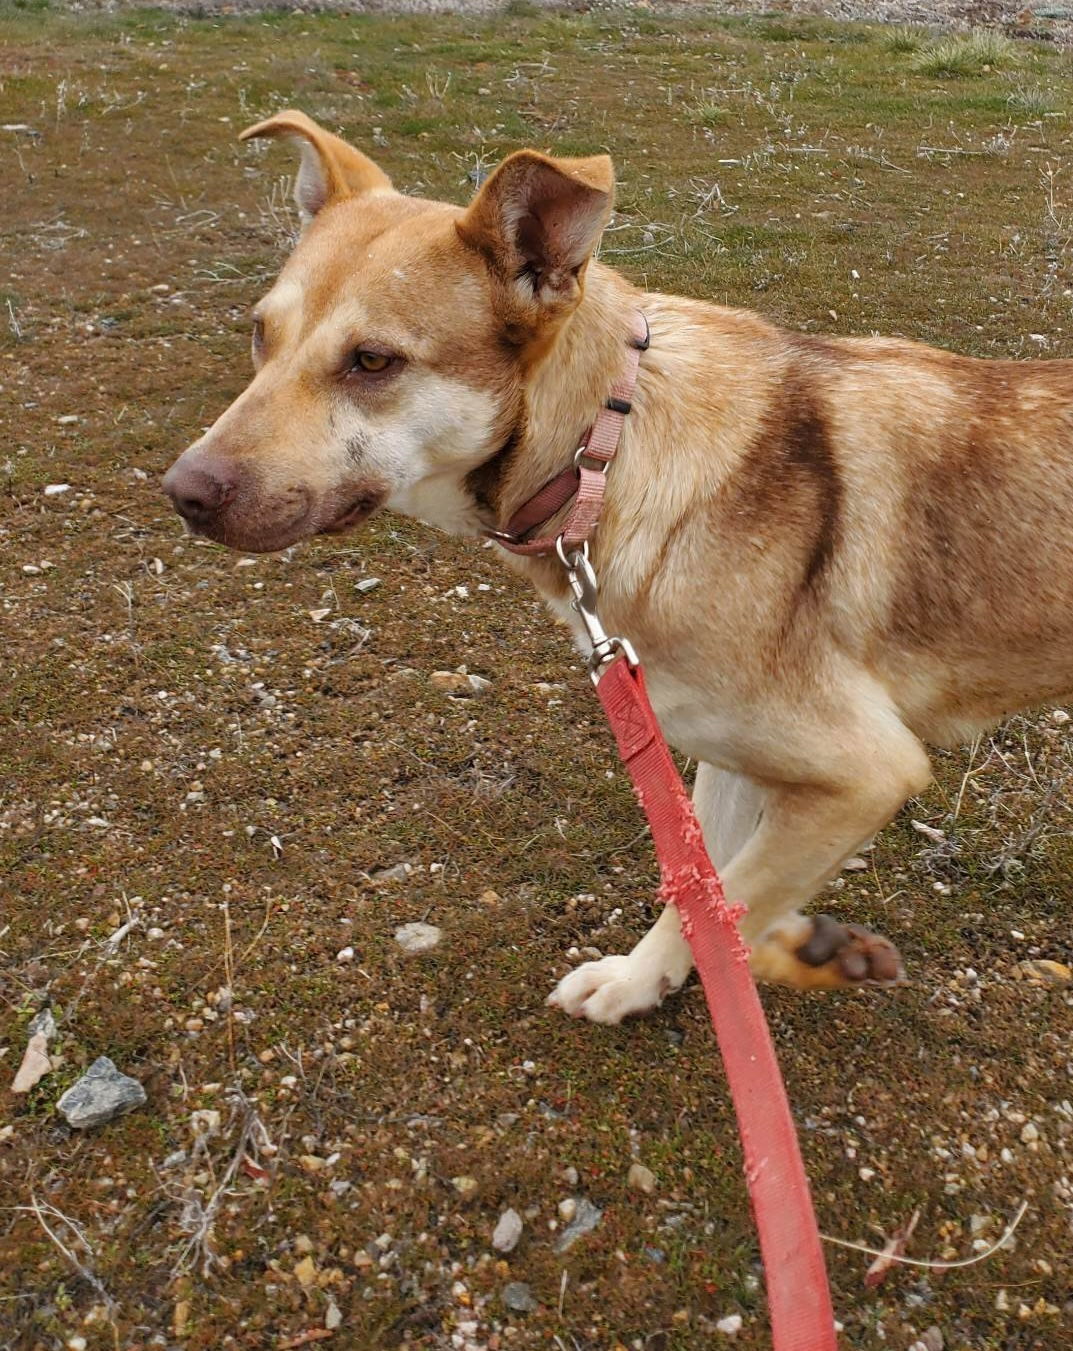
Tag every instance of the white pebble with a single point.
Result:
(56, 490)
(345, 955)
(507, 1232)
(730, 1326)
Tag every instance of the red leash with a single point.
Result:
(798, 1298)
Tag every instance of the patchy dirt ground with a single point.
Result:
(228, 781)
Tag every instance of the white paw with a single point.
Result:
(611, 989)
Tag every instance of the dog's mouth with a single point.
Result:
(360, 509)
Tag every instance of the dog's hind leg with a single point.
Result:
(775, 846)
(806, 833)
(728, 807)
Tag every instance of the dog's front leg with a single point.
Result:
(728, 807)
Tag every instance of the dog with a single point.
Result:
(826, 551)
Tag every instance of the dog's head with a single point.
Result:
(391, 354)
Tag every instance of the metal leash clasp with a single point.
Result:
(582, 580)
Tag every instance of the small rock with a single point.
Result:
(730, 1326)
(306, 1272)
(56, 489)
(459, 683)
(367, 584)
(333, 1316)
(345, 955)
(43, 1024)
(933, 1340)
(35, 1064)
(1044, 972)
(102, 1094)
(1029, 1133)
(519, 1298)
(415, 938)
(641, 1179)
(855, 865)
(465, 1186)
(398, 872)
(507, 1232)
(567, 1209)
(586, 1218)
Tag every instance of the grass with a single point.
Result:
(906, 39)
(1033, 103)
(256, 769)
(951, 58)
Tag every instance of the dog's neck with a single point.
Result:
(562, 396)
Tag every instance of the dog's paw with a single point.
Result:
(612, 989)
(816, 952)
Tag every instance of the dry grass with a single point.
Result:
(247, 759)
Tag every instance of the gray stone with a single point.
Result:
(519, 1298)
(507, 1232)
(418, 937)
(43, 1022)
(399, 872)
(586, 1218)
(102, 1094)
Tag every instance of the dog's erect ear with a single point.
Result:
(538, 219)
(330, 170)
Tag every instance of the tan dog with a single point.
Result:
(826, 551)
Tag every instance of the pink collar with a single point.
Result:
(578, 481)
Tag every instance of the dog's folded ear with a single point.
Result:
(330, 169)
(537, 221)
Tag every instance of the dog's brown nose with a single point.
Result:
(197, 492)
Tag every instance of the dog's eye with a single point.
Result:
(372, 363)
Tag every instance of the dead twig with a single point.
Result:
(930, 1265)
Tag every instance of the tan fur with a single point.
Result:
(826, 551)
